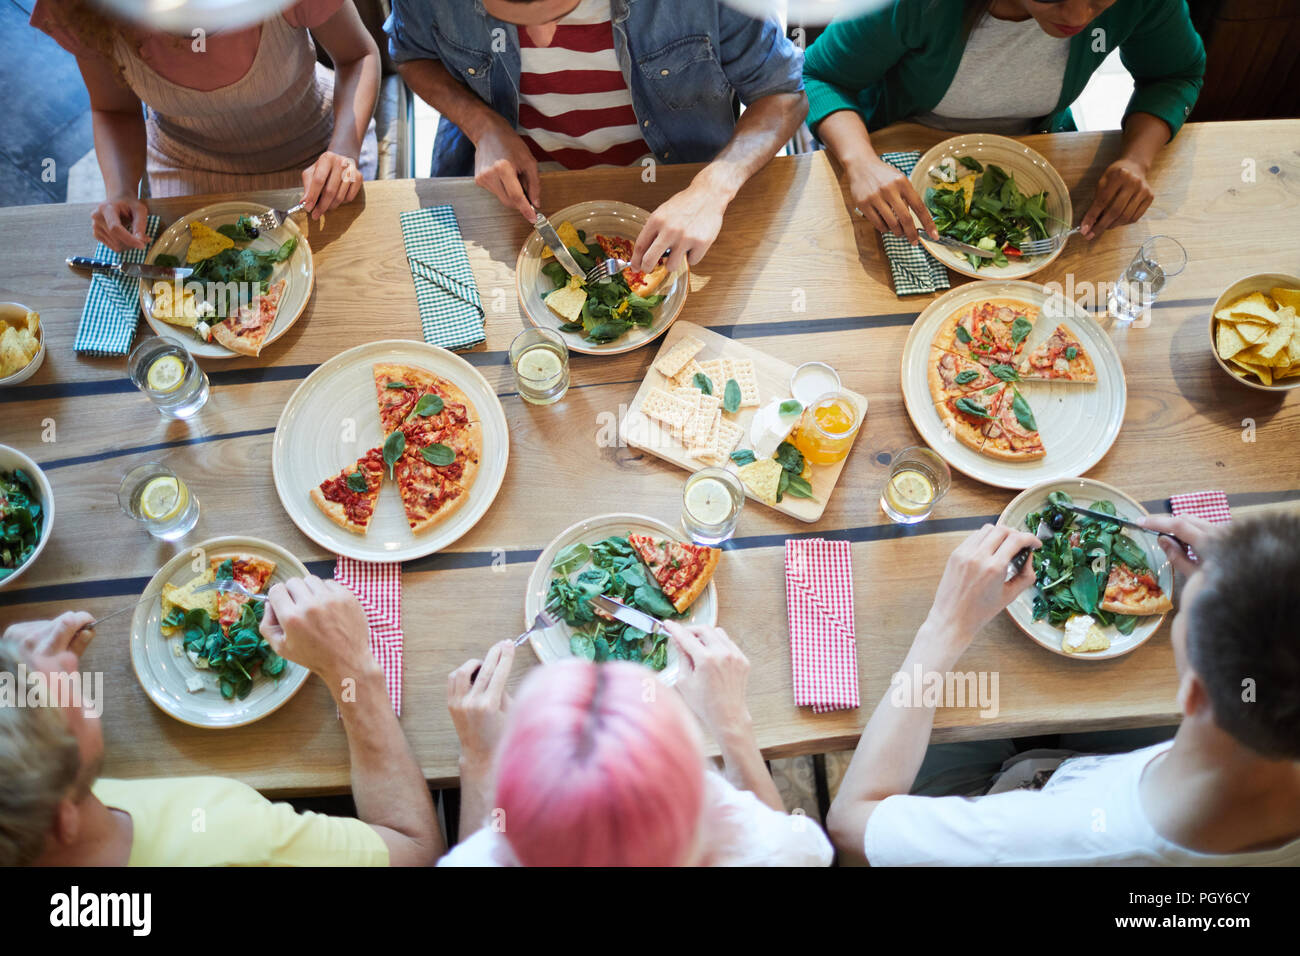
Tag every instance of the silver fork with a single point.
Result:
(230, 587)
(1038, 247)
(273, 219)
(541, 622)
(608, 268)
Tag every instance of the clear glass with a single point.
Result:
(711, 504)
(1158, 260)
(169, 377)
(540, 360)
(156, 496)
(918, 480)
(826, 429)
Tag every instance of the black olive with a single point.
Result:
(1057, 521)
(253, 231)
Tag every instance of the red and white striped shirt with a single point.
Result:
(574, 105)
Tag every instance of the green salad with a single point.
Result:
(985, 208)
(238, 264)
(21, 520)
(1072, 568)
(610, 567)
(612, 309)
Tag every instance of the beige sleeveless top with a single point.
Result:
(259, 132)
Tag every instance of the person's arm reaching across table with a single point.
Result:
(320, 625)
(971, 592)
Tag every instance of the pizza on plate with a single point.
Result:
(682, 571)
(245, 332)
(641, 283)
(348, 499)
(1060, 358)
(1133, 592)
(246, 569)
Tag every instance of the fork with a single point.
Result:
(230, 587)
(541, 622)
(273, 219)
(608, 268)
(1038, 247)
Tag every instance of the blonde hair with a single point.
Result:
(39, 764)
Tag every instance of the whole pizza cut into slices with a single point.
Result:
(641, 283)
(348, 499)
(682, 571)
(245, 332)
(1133, 592)
(952, 375)
(1059, 358)
(1012, 434)
(966, 415)
(246, 569)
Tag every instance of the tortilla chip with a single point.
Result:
(567, 302)
(205, 243)
(13, 356)
(1263, 372)
(1279, 338)
(1252, 331)
(1228, 341)
(763, 478)
(183, 597)
(1255, 305)
(568, 234)
(1286, 297)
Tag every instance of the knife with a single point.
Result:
(964, 247)
(132, 270)
(552, 238)
(627, 615)
(1126, 523)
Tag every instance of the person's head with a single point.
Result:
(600, 765)
(1057, 18)
(530, 13)
(50, 754)
(1236, 637)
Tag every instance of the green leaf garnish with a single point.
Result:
(438, 454)
(394, 445)
(731, 396)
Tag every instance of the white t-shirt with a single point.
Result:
(1010, 74)
(1089, 814)
(741, 831)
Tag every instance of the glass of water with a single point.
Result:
(1158, 260)
(169, 377)
(540, 360)
(711, 504)
(155, 496)
(918, 479)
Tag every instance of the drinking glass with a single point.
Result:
(1159, 259)
(169, 377)
(826, 429)
(540, 360)
(918, 479)
(711, 504)
(156, 496)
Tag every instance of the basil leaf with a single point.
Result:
(962, 334)
(571, 558)
(798, 487)
(703, 383)
(393, 448)
(967, 376)
(731, 396)
(426, 406)
(438, 454)
(782, 485)
(1020, 329)
(357, 482)
(1022, 412)
(1007, 373)
(992, 389)
(743, 457)
(971, 407)
(398, 383)
(1130, 553)
(790, 407)
(1071, 353)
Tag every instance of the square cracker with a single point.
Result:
(742, 370)
(678, 357)
(665, 407)
(686, 377)
(697, 429)
(718, 372)
(729, 436)
(704, 442)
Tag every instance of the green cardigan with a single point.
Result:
(899, 61)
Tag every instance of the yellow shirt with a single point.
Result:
(215, 821)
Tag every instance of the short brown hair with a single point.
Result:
(39, 763)
(1243, 633)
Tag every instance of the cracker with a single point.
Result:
(742, 370)
(706, 438)
(729, 436)
(686, 377)
(697, 428)
(717, 371)
(665, 407)
(678, 357)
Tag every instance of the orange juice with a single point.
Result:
(827, 428)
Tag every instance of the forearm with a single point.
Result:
(120, 147)
(744, 767)
(433, 84)
(475, 793)
(846, 136)
(763, 128)
(356, 90)
(1144, 135)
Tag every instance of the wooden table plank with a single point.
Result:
(794, 274)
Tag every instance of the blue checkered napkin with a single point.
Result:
(451, 313)
(113, 303)
(914, 269)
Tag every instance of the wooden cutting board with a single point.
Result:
(638, 431)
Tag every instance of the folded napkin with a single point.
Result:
(112, 308)
(451, 313)
(914, 270)
(1210, 505)
(823, 643)
(379, 589)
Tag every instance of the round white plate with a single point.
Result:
(162, 674)
(608, 218)
(1079, 422)
(1085, 492)
(552, 644)
(298, 270)
(332, 420)
(1033, 174)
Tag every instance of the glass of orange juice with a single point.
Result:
(826, 430)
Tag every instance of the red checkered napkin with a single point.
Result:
(379, 589)
(1210, 505)
(823, 642)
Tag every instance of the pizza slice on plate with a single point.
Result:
(682, 571)
(992, 332)
(966, 415)
(952, 375)
(1012, 435)
(348, 499)
(641, 283)
(245, 332)
(1133, 592)
(1060, 358)
(246, 569)
(401, 392)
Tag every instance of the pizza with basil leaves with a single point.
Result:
(1060, 358)
(966, 415)
(991, 332)
(1012, 433)
(348, 499)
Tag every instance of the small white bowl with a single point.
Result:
(12, 312)
(11, 458)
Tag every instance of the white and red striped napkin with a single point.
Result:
(379, 589)
(1210, 505)
(823, 642)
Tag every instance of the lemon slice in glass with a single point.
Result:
(166, 374)
(910, 492)
(163, 498)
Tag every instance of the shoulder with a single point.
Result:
(741, 830)
(311, 13)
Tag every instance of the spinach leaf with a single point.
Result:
(743, 456)
(1127, 551)
(394, 445)
(438, 454)
(703, 383)
(798, 487)
(582, 646)
(226, 570)
(1084, 588)
(1023, 414)
(1124, 623)
(731, 396)
(650, 599)
(789, 458)
(571, 558)
(357, 482)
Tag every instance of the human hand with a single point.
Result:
(330, 182)
(120, 223)
(713, 678)
(687, 222)
(974, 587)
(884, 196)
(1123, 196)
(477, 700)
(69, 632)
(1197, 532)
(504, 166)
(320, 625)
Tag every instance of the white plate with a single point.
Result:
(552, 644)
(162, 674)
(1079, 422)
(1033, 174)
(298, 270)
(332, 420)
(609, 218)
(1085, 492)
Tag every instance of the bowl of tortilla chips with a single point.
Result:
(22, 343)
(1255, 331)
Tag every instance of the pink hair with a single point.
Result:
(595, 771)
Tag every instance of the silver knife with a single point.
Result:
(627, 615)
(133, 270)
(1125, 522)
(552, 238)
(965, 247)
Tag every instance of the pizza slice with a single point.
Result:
(453, 451)
(348, 499)
(246, 569)
(682, 571)
(992, 332)
(1133, 592)
(1012, 435)
(245, 332)
(964, 416)
(1060, 358)
(401, 392)
(641, 283)
(952, 375)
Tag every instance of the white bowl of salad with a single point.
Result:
(26, 513)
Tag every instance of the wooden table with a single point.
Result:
(793, 273)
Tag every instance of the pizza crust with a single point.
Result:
(701, 581)
(236, 343)
(336, 512)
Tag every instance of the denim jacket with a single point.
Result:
(685, 62)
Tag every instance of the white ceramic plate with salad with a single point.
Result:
(554, 643)
(1032, 175)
